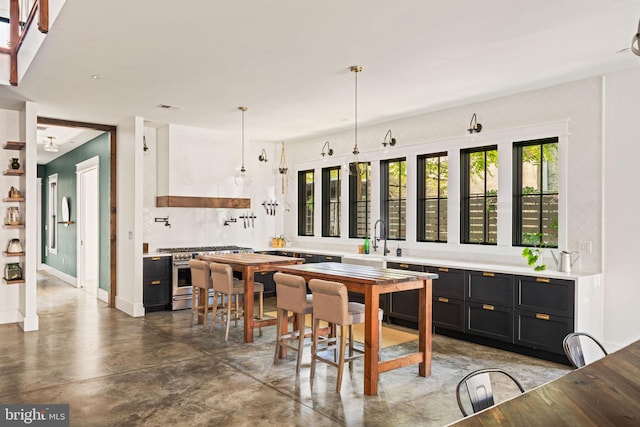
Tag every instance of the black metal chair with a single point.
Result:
(478, 385)
(573, 348)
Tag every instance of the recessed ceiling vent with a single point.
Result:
(168, 107)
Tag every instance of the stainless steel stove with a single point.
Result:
(181, 278)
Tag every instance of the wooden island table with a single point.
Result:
(603, 393)
(249, 264)
(372, 282)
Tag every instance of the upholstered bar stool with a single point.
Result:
(224, 283)
(292, 296)
(331, 304)
(201, 283)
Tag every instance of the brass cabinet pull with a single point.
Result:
(542, 280)
(309, 255)
(488, 307)
(443, 269)
(329, 258)
(263, 273)
(155, 258)
(404, 265)
(443, 299)
(542, 316)
(156, 282)
(488, 274)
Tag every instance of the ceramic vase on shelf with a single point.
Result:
(15, 163)
(13, 216)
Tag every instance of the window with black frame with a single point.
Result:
(360, 201)
(331, 178)
(479, 195)
(393, 195)
(535, 193)
(305, 202)
(433, 183)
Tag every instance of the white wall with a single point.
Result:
(188, 161)
(621, 206)
(129, 220)
(577, 103)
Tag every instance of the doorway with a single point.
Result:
(88, 238)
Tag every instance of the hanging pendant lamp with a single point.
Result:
(242, 177)
(351, 163)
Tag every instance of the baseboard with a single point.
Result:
(9, 316)
(134, 310)
(60, 275)
(103, 295)
(28, 323)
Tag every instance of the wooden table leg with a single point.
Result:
(247, 275)
(425, 328)
(371, 344)
(200, 316)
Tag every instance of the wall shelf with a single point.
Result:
(13, 145)
(13, 199)
(12, 226)
(12, 282)
(13, 172)
(65, 222)
(202, 202)
(12, 254)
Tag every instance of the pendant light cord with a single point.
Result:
(243, 109)
(356, 69)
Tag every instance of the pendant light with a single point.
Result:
(351, 163)
(242, 178)
(50, 147)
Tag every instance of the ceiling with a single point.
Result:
(288, 60)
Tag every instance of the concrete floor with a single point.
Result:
(117, 370)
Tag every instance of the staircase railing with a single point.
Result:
(18, 30)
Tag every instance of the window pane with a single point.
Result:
(360, 201)
(394, 182)
(479, 193)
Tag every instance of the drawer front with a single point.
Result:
(448, 313)
(552, 296)
(156, 292)
(328, 258)
(489, 321)
(156, 268)
(309, 258)
(450, 282)
(405, 305)
(542, 330)
(403, 266)
(490, 288)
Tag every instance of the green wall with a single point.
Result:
(65, 166)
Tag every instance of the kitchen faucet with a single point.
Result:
(383, 235)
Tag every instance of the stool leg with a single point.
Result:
(214, 312)
(206, 307)
(350, 347)
(278, 335)
(343, 338)
(300, 318)
(314, 347)
(194, 306)
(226, 335)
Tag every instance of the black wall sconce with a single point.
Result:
(387, 142)
(145, 147)
(263, 156)
(474, 126)
(329, 151)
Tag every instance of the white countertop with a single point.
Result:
(465, 265)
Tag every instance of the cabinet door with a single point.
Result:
(450, 282)
(405, 305)
(551, 296)
(266, 278)
(448, 313)
(490, 321)
(491, 288)
(542, 330)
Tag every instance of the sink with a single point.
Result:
(362, 259)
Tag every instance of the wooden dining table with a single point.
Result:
(603, 393)
(372, 282)
(248, 264)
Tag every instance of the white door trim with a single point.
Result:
(90, 164)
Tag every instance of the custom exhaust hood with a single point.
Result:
(177, 182)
